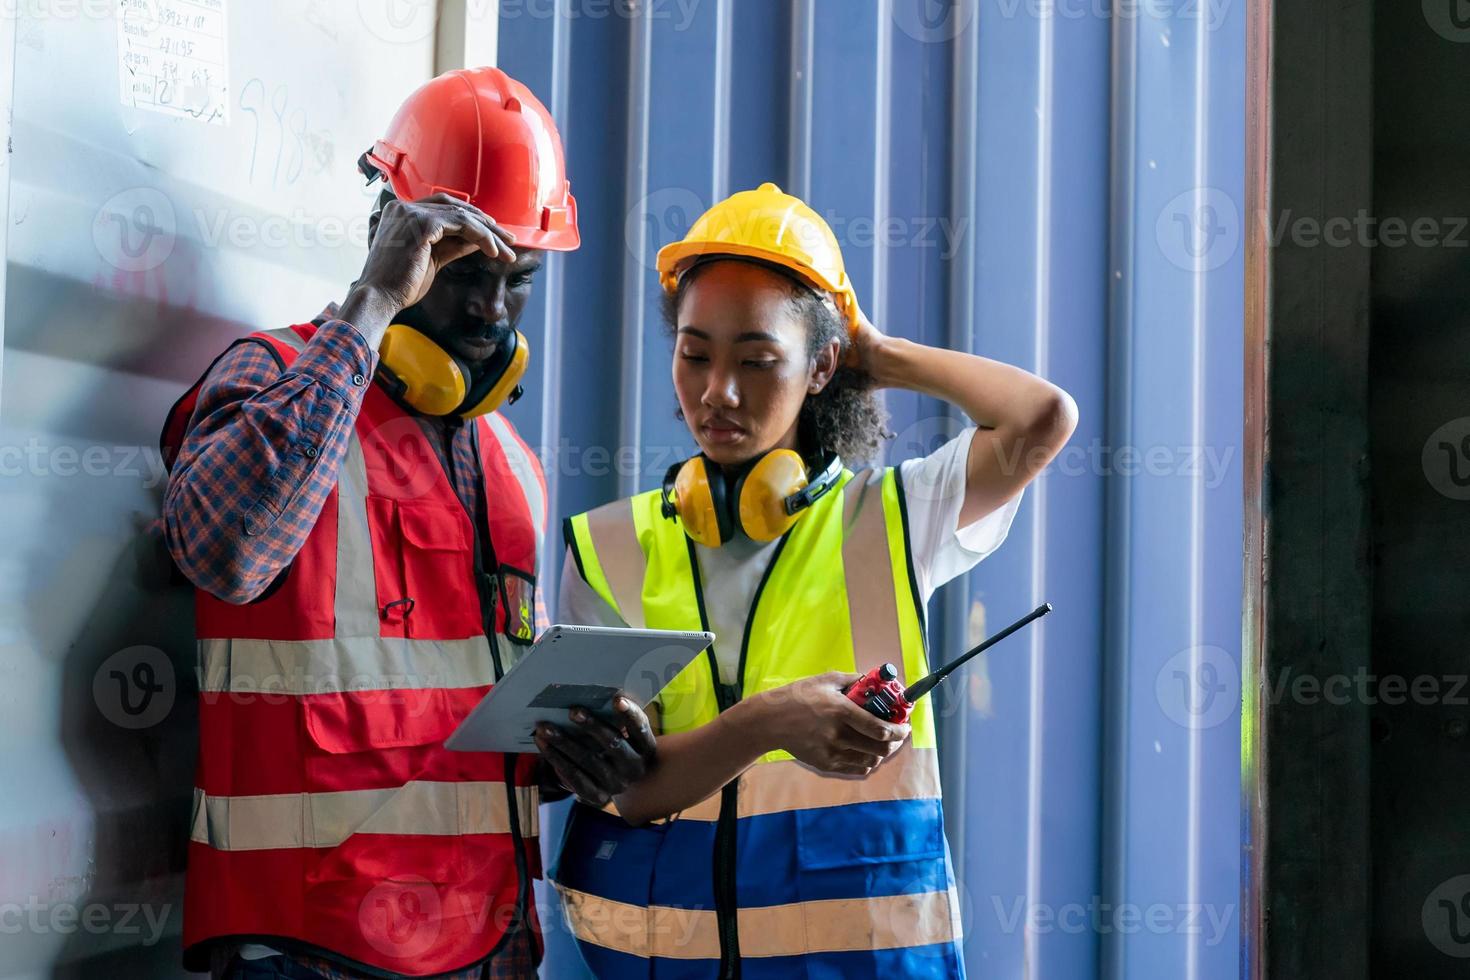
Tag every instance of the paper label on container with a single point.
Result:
(173, 58)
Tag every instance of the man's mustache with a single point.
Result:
(484, 331)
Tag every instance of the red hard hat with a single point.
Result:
(480, 135)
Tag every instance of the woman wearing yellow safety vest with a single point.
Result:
(782, 831)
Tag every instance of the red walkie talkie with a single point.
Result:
(879, 692)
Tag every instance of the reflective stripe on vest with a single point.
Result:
(831, 926)
(351, 663)
(811, 848)
(324, 795)
(776, 787)
(252, 823)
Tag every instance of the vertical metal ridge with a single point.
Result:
(630, 415)
(7, 127)
(1046, 44)
(1118, 498)
(724, 38)
(882, 134)
(799, 162)
(554, 286)
(959, 335)
(1199, 300)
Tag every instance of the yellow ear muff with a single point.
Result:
(509, 379)
(694, 498)
(432, 381)
(763, 491)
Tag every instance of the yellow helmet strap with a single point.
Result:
(433, 381)
(763, 498)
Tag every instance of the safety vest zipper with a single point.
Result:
(726, 857)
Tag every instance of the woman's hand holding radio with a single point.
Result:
(411, 242)
(811, 718)
(814, 720)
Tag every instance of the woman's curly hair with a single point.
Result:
(846, 416)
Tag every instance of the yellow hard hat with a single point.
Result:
(772, 226)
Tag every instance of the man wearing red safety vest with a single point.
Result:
(364, 532)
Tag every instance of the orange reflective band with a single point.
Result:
(831, 926)
(778, 787)
(420, 807)
(623, 562)
(868, 575)
(524, 467)
(359, 663)
(355, 604)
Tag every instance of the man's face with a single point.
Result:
(474, 303)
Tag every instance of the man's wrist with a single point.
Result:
(370, 311)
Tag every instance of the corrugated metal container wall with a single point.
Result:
(1054, 184)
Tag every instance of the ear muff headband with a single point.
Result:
(432, 380)
(766, 501)
(829, 470)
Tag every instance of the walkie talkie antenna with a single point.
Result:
(925, 684)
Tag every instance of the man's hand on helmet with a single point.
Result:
(411, 243)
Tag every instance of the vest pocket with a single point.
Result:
(864, 834)
(887, 859)
(393, 734)
(373, 720)
(423, 564)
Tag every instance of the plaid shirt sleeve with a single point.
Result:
(260, 459)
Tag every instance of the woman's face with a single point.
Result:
(741, 368)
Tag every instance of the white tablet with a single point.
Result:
(574, 665)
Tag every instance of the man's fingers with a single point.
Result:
(497, 236)
(610, 743)
(495, 241)
(452, 232)
(591, 758)
(603, 752)
(635, 723)
(577, 779)
(454, 223)
(441, 199)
